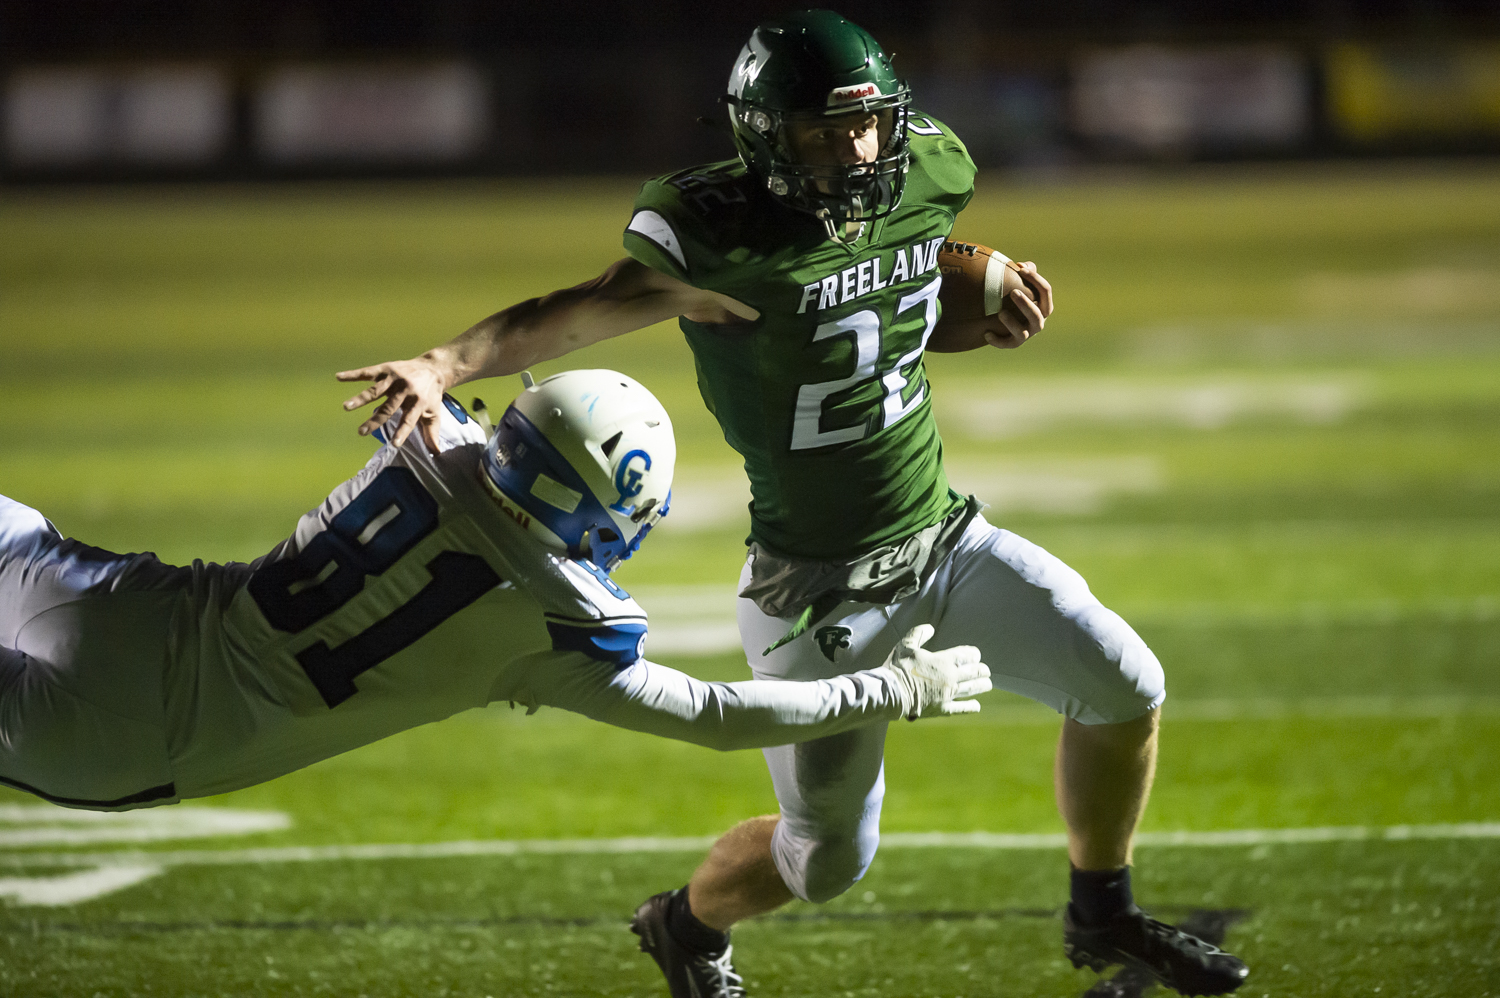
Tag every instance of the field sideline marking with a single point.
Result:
(73, 888)
(649, 844)
(48, 825)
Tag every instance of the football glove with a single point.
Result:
(936, 683)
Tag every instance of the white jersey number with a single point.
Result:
(865, 326)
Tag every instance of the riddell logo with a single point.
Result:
(513, 511)
(842, 95)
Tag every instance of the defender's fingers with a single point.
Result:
(361, 373)
(394, 401)
(430, 434)
(961, 707)
(408, 423)
(972, 688)
(964, 671)
(918, 636)
(961, 656)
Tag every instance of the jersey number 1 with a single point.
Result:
(365, 538)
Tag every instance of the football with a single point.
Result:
(977, 282)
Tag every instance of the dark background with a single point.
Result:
(611, 87)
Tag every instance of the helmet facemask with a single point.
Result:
(837, 195)
(814, 65)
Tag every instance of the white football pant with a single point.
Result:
(1041, 631)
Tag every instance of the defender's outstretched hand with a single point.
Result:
(937, 683)
(415, 386)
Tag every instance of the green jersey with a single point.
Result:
(825, 395)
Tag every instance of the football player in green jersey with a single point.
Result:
(804, 275)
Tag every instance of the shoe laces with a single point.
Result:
(1173, 940)
(720, 975)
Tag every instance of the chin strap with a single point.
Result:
(832, 228)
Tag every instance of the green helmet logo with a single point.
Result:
(813, 64)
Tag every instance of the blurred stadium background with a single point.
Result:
(1264, 424)
(236, 88)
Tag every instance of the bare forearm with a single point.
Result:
(500, 344)
(517, 337)
(627, 296)
(545, 328)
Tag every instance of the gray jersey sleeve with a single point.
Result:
(661, 701)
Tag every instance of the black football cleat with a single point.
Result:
(689, 973)
(1176, 959)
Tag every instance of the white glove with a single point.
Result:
(936, 683)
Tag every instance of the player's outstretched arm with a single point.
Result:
(626, 297)
(913, 682)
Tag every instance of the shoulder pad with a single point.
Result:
(679, 220)
(651, 239)
(620, 643)
(942, 172)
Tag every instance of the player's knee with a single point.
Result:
(1127, 678)
(820, 868)
(834, 868)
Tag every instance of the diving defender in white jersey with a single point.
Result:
(128, 683)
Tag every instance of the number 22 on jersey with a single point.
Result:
(866, 328)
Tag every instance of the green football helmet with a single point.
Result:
(814, 64)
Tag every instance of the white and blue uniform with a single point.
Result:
(128, 683)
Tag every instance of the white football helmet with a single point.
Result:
(584, 460)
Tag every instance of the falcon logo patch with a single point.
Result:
(831, 638)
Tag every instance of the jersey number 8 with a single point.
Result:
(366, 538)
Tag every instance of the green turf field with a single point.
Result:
(1264, 423)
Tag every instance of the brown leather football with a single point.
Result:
(977, 282)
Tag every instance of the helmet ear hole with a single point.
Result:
(643, 511)
(608, 447)
(608, 536)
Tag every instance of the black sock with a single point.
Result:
(1099, 895)
(690, 932)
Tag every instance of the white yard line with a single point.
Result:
(48, 825)
(74, 888)
(638, 845)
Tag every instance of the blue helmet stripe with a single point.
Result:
(618, 644)
(529, 454)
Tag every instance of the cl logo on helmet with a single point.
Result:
(841, 94)
(628, 479)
